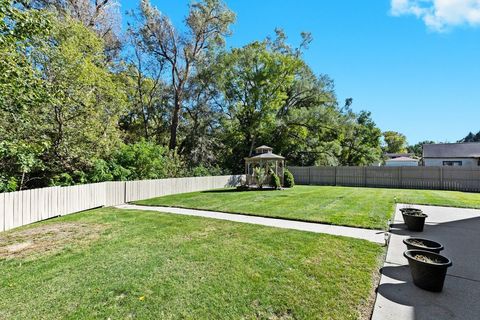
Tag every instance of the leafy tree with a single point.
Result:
(22, 91)
(101, 16)
(395, 142)
(148, 93)
(207, 24)
(254, 84)
(471, 137)
(417, 149)
(360, 140)
(85, 100)
(146, 160)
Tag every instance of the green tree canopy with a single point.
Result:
(395, 142)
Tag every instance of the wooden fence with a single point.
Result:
(23, 207)
(435, 178)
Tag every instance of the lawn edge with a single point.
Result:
(365, 310)
(254, 215)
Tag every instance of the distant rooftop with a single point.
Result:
(452, 150)
(402, 159)
(397, 155)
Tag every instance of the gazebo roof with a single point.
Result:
(266, 156)
(263, 147)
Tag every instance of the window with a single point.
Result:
(452, 163)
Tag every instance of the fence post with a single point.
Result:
(309, 176)
(400, 176)
(335, 176)
(364, 176)
(441, 178)
(125, 192)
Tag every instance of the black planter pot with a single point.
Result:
(402, 210)
(428, 245)
(414, 221)
(428, 275)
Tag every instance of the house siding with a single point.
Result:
(436, 162)
(393, 163)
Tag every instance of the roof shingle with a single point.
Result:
(452, 150)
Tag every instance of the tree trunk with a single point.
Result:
(252, 145)
(174, 125)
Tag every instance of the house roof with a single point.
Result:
(401, 159)
(452, 150)
(397, 155)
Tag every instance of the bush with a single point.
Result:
(288, 181)
(260, 176)
(275, 181)
(204, 171)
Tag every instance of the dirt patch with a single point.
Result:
(46, 239)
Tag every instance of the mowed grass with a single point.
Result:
(358, 207)
(149, 265)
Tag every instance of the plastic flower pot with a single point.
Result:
(423, 244)
(428, 269)
(410, 211)
(402, 210)
(414, 220)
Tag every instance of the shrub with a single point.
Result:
(275, 181)
(260, 176)
(204, 171)
(288, 181)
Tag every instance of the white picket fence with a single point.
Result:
(24, 207)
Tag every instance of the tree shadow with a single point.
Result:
(458, 300)
(232, 190)
(221, 191)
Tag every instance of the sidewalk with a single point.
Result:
(359, 233)
(398, 298)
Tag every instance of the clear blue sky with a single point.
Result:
(414, 78)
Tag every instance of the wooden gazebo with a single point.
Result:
(264, 158)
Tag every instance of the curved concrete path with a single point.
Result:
(359, 233)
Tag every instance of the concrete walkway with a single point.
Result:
(359, 233)
(398, 298)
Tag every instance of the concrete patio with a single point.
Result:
(398, 298)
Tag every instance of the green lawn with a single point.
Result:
(147, 265)
(360, 207)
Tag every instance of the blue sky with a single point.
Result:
(414, 64)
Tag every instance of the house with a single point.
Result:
(401, 162)
(389, 156)
(452, 154)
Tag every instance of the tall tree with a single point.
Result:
(395, 142)
(148, 94)
(254, 82)
(22, 92)
(207, 24)
(101, 16)
(360, 140)
(85, 99)
(471, 137)
(417, 149)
